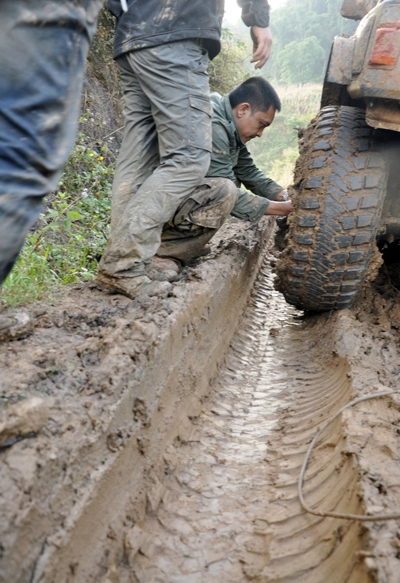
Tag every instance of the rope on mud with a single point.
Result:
(305, 506)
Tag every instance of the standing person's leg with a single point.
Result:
(174, 79)
(139, 155)
(138, 158)
(43, 48)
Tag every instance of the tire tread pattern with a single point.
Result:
(341, 182)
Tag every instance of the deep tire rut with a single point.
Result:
(228, 506)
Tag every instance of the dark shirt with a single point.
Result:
(150, 23)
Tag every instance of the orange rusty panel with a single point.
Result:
(385, 52)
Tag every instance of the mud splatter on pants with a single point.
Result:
(198, 219)
(43, 48)
(165, 151)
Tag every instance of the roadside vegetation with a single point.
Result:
(277, 151)
(67, 242)
(69, 237)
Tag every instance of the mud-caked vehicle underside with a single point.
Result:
(348, 174)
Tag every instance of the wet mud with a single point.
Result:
(212, 523)
(230, 507)
(109, 484)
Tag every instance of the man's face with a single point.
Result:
(251, 125)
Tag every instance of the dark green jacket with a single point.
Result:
(149, 23)
(231, 159)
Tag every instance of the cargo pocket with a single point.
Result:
(199, 123)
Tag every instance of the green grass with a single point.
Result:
(31, 279)
(71, 234)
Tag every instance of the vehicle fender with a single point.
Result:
(341, 59)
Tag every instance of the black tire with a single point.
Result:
(341, 180)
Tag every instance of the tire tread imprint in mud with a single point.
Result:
(341, 180)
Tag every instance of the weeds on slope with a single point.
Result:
(70, 235)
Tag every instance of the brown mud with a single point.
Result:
(144, 441)
(230, 508)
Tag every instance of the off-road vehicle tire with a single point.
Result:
(341, 180)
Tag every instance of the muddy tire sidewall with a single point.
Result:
(341, 182)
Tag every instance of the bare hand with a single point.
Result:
(262, 41)
(280, 209)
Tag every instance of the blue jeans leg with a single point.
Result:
(43, 49)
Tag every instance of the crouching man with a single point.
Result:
(237, 118)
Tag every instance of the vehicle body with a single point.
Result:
(348, 174)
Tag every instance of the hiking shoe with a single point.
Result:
(15, 326)
(131, 287)
(163, 269)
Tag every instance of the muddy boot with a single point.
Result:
(15, 326)
(131, 287)
(185, 249)
(164, 269)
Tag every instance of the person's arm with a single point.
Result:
(254, 179)
(250, 207)
(262, 41)
(255, 14)
(279, 208)
(268, 198)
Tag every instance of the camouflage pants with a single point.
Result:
(165, 151)
(198, 219)
(43, 48)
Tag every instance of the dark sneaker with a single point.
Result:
(131, 287)
(15, 326)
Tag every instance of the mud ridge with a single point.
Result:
(353, 470)
(211, 523)
(91, 398)
(305, 547)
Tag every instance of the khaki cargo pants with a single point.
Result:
(198, 219)
(165, 152)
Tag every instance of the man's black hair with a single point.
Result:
(258, 92)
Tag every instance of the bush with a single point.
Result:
(229, 68)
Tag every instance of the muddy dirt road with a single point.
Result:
(229, 509)
(212, 522)
(168, 447)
